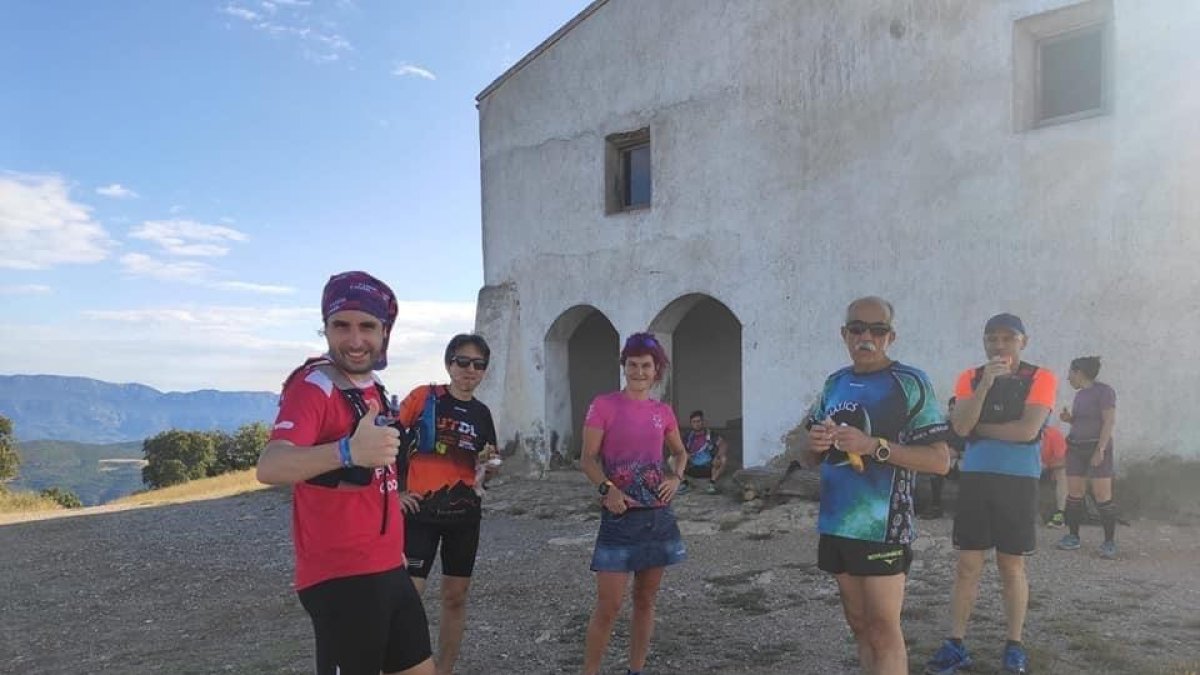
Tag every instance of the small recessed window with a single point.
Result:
(628, 175)
(1071, 74)
(1062, 65)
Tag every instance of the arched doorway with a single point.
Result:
(582, 353)
(706, 364)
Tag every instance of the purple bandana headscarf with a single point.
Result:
(365, 293)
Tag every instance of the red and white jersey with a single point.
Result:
(337, 531)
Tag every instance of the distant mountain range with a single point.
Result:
(90, 411)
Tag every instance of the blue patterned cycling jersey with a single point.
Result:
(896, 403)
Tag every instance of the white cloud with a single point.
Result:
(41, 227)
(266, 289)
(192, 272)
(187, 237)
(116, 191)
(25, 289)
(175, 208)
(406, 69)
(239, 12)
(221, 347)
(320, 46)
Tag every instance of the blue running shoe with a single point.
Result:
(948, 659)
(1069, 542)
(1015, 660)
(1108, 550)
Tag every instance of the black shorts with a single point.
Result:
(703, 471)
(459, 542)
(996, 511)
(839, 555)
(367, 624)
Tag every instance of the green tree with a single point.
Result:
(10, 461)
(195, 451)
(240, 450)
(65, 498)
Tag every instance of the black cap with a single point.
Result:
(1004, 321)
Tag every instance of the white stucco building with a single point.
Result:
(731, 174)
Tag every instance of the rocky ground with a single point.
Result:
(203, 587)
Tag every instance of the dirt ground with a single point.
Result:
(203, 587)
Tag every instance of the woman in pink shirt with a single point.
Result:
(623, 439)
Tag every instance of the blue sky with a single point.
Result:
(179, 179)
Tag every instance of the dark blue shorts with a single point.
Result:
(636, 540)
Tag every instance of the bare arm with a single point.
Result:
(589, 459)
(966, 413)
(1108, 421)
(282, 463)
(679, 456)
(1023, 430)
(932, 458)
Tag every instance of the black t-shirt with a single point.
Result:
(445, 477)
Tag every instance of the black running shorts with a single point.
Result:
(996, 511)
(367, 624)
(839, 555)
(459, 542)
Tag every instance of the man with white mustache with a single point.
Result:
(874, 426)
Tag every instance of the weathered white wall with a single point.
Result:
(813, 152)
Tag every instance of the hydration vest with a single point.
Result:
(1005, 401)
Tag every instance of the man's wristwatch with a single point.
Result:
(604, 487)
(883, 451)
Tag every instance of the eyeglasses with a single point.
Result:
(465, 361)
(860, 327)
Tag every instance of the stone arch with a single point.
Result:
(582, 360)
(705, 340)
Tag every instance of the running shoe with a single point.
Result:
(711, 488)
(1069, 542)
(683, 489)
(1108, 550)
(948, 659)
(1015, 659)
(1056, 520)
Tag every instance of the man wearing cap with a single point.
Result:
(1001, 411)
(347, 522)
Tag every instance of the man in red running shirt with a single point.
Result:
(347, 522)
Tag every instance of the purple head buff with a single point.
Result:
(363, 292)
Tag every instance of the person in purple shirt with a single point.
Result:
(623, 437)
(1092, 417)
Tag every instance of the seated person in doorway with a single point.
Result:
(706, 452)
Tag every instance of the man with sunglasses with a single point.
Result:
(350, 574)
(874, 426)
(448, 508)
(1002, 409)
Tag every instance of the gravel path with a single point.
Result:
(203, 587)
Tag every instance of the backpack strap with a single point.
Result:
(353, 396)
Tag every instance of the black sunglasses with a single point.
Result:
(860, 327)
(465, 361)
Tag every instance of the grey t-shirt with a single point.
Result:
(1086, 418)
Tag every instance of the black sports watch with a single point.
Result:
(604, 487)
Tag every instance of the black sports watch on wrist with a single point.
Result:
(604, 487)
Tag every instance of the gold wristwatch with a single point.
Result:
(883, 451)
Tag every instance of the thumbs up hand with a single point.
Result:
(373, 446)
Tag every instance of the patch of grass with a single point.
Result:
(20, 501)
(1104, 654)
(225, 485)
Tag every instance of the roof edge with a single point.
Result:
(541, 48)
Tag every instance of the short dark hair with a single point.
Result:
(1088, 365)
(695, 414)
(645, 344)
(459, 341)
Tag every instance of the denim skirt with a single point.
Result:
(636, 540)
